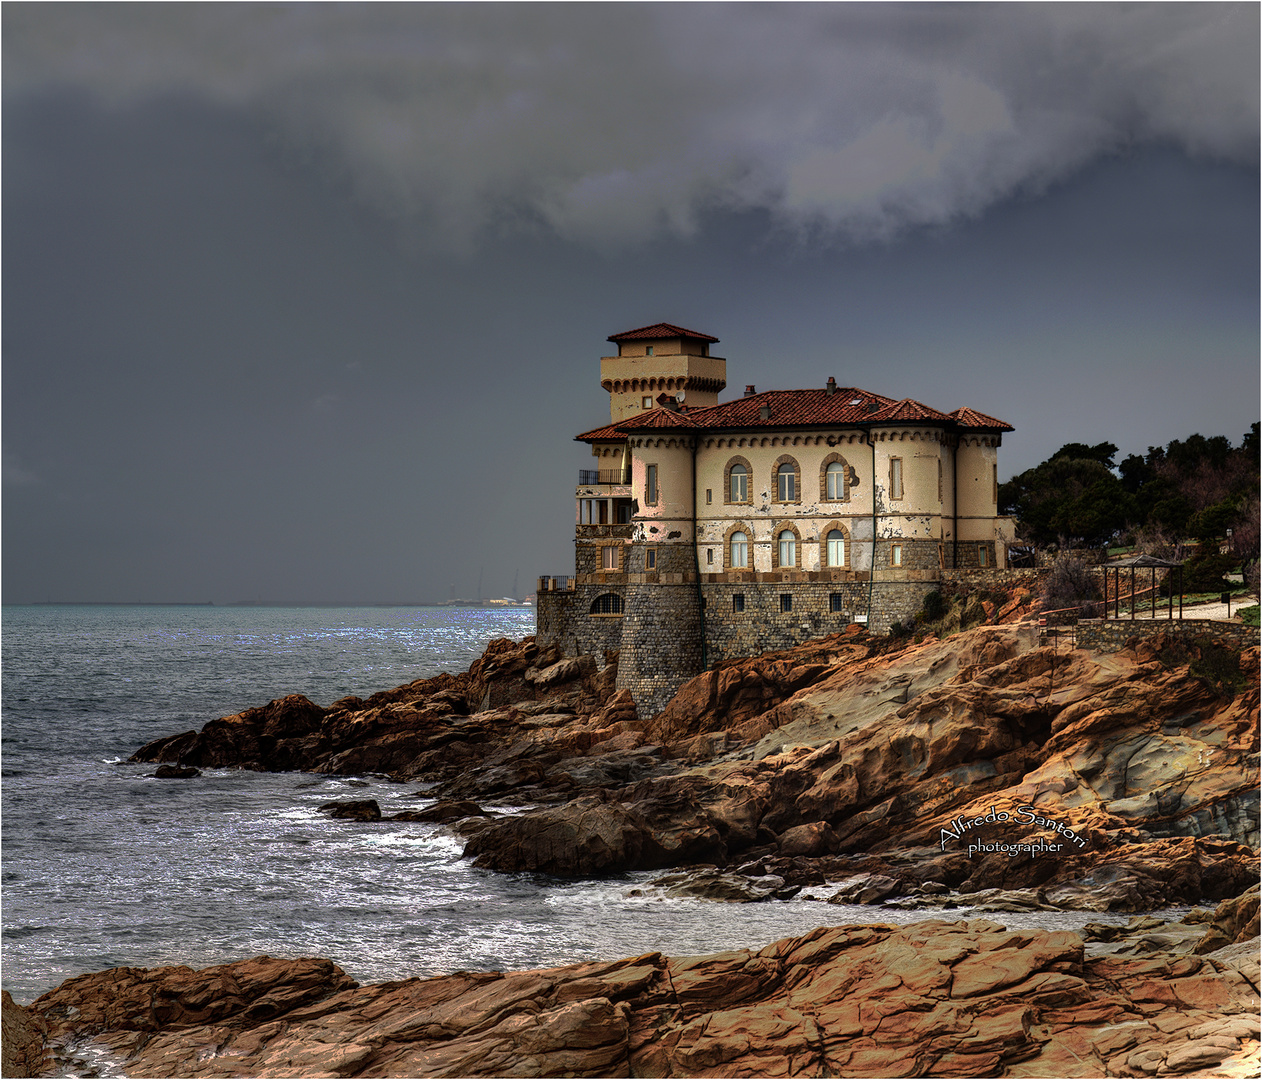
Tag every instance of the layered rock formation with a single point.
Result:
(21, 1039)
(981, 761)
(931, 999)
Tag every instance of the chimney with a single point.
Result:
(764, 412)
(830, 387)
(749, 389)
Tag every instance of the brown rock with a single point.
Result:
(21, 1040)
(445, 810)
(814, 838)
(1234, 920)
(930, 999)
(353, 809)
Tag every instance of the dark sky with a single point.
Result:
(306, 303)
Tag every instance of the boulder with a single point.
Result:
(1234, 921)
(353, 809)
(710, 883)
(814, 838)
(444, 811)
(865, 889)
(176, 772)
(561, 672)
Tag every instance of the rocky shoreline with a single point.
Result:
(930, 999)
(1123, 781)
(983, 770)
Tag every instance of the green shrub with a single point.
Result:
(1208, 573)
(1250, 615)
(1217, 666)
(935, 606)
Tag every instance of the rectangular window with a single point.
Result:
(708, 495)
(896, 478)
(609, 557)
(994, 478)
(650, 486)
(646, 402)
(983, 555)
(709, 556)
(648, 350)
(939, 479)
(786, 601)
(738, 602)
(834, 602)
(650, 558)
(896, 555)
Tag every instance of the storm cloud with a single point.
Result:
(616, 124)
(306, 301)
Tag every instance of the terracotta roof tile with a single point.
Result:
(608, 433)
(971, 418)
(797, 408)
(659, 330)
(791, 408)
(907, 409)
(650, 419)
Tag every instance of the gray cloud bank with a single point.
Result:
(610, 124)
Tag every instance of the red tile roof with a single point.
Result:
(659, 330)
(846, 406)
(792, 408)
(907, 409)
(651, 419)
(971, 418)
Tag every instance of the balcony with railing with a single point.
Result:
(595, 477)
(553, 583)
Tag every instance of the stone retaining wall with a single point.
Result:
(562, 619)
(1110, 635)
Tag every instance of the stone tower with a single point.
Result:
(658, 359)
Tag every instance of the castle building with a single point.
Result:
(713, 530)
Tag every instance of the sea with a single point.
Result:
(103, 865)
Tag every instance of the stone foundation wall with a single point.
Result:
(660, 631)
(660, 643)
(763, 627)
(562, 619)
(1110, 635)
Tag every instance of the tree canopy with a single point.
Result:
(1190, 488)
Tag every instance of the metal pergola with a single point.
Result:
(1139, 562)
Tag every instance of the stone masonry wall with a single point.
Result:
(763, 627)
(562, 619)
(1111, 635)
(661, 643)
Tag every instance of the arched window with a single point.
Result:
(739, 544)
(786, 489)
(836, 548)
(835, 481)
(606, 604)
(788, 548)
(736, 474)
